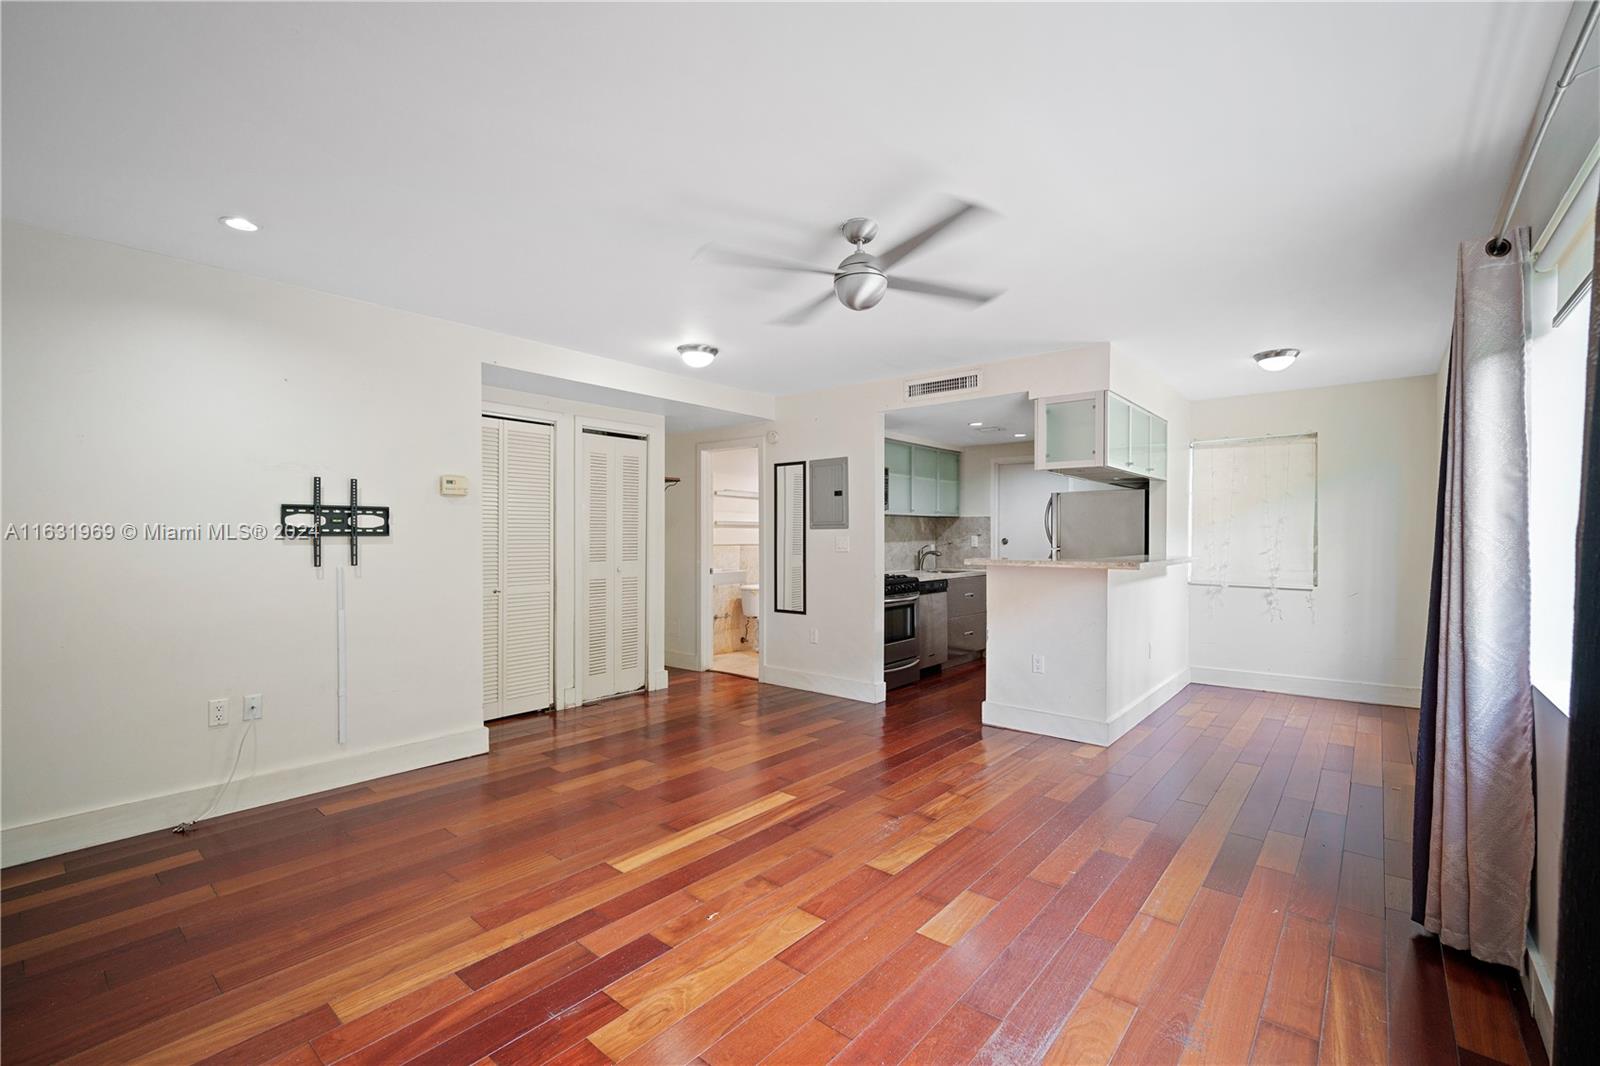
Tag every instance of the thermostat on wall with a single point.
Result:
(452, 484)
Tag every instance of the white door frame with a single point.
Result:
(704, 641)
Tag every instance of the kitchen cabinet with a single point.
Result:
(967, 627)
(1100, 436)
(919, 480)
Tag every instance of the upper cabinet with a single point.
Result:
(1100, 436)
(920, 480)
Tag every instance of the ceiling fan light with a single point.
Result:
(1276, 359)
(696, 356)
(860, 290)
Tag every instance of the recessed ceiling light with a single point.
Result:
(697, 355)
(1019, 436)
(1276, 359)
(974, 425)
(238, 222)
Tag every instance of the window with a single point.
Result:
(1253, 512)
(1555, 391)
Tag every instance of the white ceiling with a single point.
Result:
(1190, 182)
(950, 423)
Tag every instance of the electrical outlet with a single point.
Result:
(1038, 664)
(252, 708)
(217, 712)
(815, 636)
(974, 543)
(841, 542)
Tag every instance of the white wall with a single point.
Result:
(1360, 634)
(139, 388)
(143, 389)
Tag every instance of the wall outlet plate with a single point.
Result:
(252, 708)
(217, 712)
(1038, 664)
(841, 542)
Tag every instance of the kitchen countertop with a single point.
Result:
(934, 575)
(1115, 562)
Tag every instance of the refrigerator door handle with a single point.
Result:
(1050, 524)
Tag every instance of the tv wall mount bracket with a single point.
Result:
(316, 520)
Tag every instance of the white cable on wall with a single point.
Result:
(344, 664)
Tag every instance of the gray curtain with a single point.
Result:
(1473, 845)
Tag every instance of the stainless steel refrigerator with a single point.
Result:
(1100, 523)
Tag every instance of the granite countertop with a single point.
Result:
(1115, 562)
(932, 575)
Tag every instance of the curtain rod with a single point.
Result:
(1498, 245)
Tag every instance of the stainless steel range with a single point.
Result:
(901, 647)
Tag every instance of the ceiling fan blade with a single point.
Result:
(731, 257)
(803, 313)
(948, 292)
(962, 210)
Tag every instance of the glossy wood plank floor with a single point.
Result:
(735, 874)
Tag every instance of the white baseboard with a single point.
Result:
(843, 687)
(53, 836)
(1083, 730)
(1539, 986)
(658, 680)
(682, 660)
(1318, 687)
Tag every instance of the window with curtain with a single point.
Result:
(1253, 512)
(1556, 379)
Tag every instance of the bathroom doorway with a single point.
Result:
(730, 508)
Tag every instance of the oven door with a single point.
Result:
(899, 619)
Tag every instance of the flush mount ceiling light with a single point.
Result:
(975, 425)
(238, 222)
(1019, 436)
(697, 355)
(1276, 359)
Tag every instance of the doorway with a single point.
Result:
(730, 507)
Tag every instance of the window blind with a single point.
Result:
(1253, 516)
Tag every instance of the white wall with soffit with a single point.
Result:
(1359, 635)
(571, 419)
(836, 647)
(144, 389)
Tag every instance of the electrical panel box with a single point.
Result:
(830, 493)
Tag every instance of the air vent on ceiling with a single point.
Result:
(966, 382)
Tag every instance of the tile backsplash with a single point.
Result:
(904, 534)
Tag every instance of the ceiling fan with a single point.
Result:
(861, 280)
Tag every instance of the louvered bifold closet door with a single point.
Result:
(614, 523)
(630, 535)
(518, 566)
(527, 591)
(489, 499)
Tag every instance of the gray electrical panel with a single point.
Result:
(830, 493)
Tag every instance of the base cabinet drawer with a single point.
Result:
(969, 632)
(967, 595)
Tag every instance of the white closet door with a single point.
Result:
(490, 501)
(518, 567)
(527, 591)
(630, 532)
(612, 593)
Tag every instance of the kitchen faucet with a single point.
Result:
(925, 551)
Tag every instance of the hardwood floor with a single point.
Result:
(730, 873)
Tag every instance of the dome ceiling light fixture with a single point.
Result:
(1275, 359)
(238, 222)
(697, 356)
(860, 281)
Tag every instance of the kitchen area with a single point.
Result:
(1026, 531)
